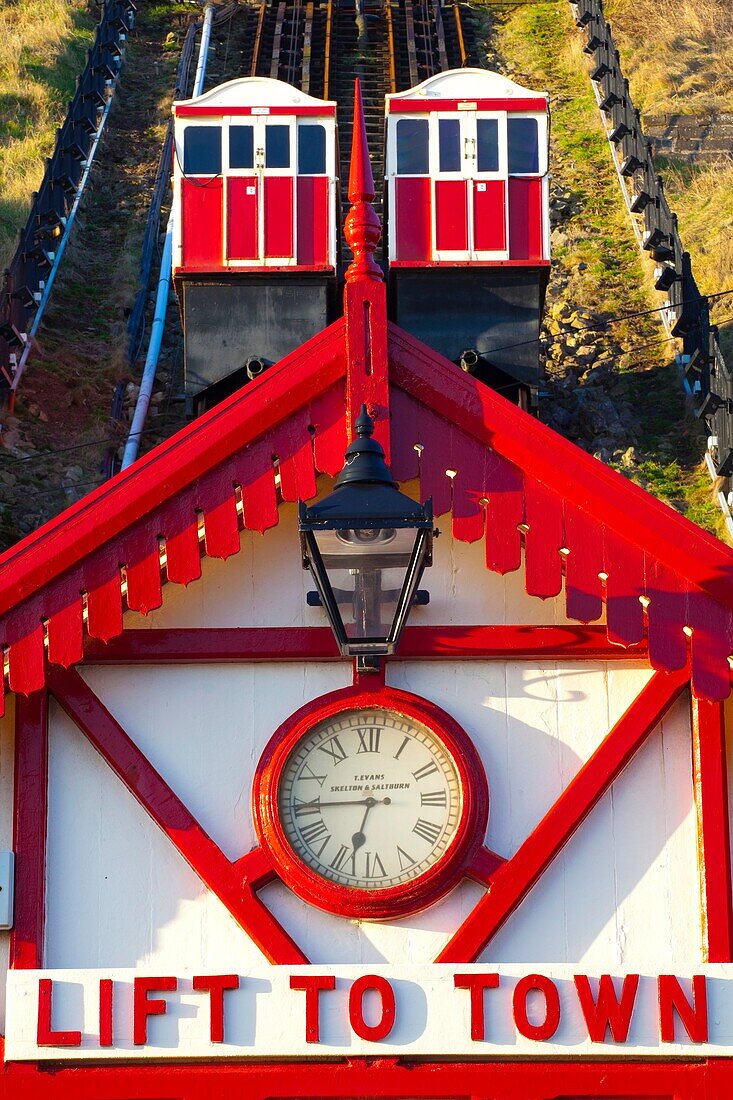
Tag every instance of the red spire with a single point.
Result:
(362, 227)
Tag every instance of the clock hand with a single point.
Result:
(359, 802)
(359, 838)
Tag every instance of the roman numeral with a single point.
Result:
(426, 769)
(313, 831)
(306, 772)
(427, 830)
(374, 866)
(303, 808)
(405, 860)
(336, 752)
(399, 751)
(369, 739)
(342, 857)
(434, 798)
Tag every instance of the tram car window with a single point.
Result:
(255, 229)
(468, 221)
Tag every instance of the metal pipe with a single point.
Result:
(198, 84)
(142, 404)
(151, 361)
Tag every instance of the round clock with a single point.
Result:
(371, 804)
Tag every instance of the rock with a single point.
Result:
(74, 473)
(586, 353)
(628, 458)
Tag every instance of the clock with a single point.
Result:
(371, 804)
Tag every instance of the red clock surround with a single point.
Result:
(394, 901)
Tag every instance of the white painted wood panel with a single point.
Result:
(204, 729)
(118, 893)
(265, 585)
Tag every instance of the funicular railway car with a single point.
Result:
(469, 237)
(255, 216)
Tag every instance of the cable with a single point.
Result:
(608, 321)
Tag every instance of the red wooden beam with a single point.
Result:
(713, 839)
(489, 643)
(508, 1079)
(513, 881)
(31, 815)
(230, 882)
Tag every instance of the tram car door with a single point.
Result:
(468, 242)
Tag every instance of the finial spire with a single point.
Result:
(362, 227)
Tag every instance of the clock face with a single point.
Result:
(370, 803)
(370, 798)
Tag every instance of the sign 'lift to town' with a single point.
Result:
(254, 852)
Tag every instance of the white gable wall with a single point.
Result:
(128, 899)
(623, 893)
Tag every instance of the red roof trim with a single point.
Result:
(223, 111)
(578, 518)
(422, 106)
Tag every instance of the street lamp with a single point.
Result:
(366, 545)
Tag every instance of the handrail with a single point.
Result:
(29, 279)
(686, 314)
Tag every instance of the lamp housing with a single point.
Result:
(366, 545)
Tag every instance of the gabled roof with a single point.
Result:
(503, 476)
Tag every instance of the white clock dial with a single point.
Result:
(370, 799)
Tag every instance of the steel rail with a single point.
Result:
(390, 46)
(459, 34)
(327, 57)
(277, 40)
(440, 34)
(258, 38)
(305, 80)
(411, 44)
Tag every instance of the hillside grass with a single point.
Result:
(677, 53)
(597, 263)
(42, 51)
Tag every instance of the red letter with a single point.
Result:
(607, 1012)
(356, 1007)
(142, 1007)
(106, 993)
(522, 989)
(694, 1016)
(45, 1037)
(214, 985)
(312, 986)
(477, 983)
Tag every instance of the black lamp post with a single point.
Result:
(366, 545)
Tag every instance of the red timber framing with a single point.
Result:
(353, 1079)
(497, 475)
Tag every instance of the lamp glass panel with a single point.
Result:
(366, 569)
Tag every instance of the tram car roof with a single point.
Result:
(252, 92)
(488, 89)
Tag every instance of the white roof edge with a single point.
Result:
(273, 92)
(447, 84)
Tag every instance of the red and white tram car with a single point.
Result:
(467, 191)
(255, 216)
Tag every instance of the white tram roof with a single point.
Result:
(256, 91)
(465, 84)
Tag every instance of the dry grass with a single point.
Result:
(677, 53)
(703, 199)
(41, 52)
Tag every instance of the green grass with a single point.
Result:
(42, 51)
